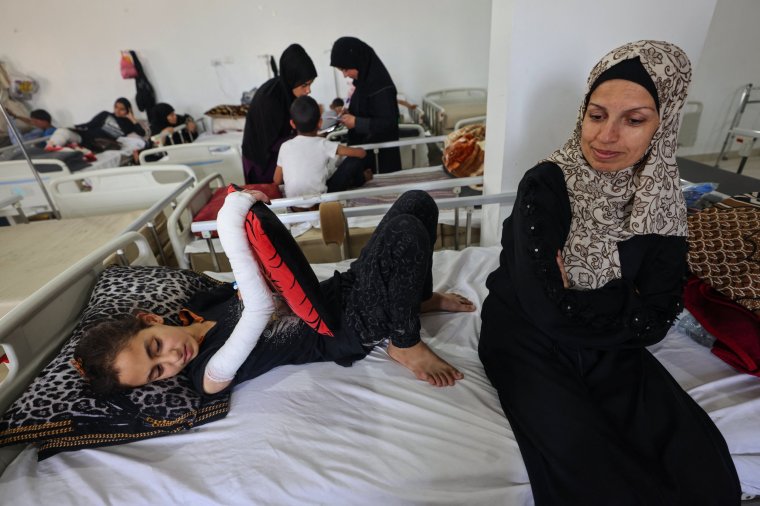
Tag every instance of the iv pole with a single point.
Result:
(15, 132)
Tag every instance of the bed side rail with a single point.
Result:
(179, 222)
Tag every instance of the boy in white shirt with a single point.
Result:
(308, 164)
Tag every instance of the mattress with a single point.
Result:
(368, 434)
(34, 253)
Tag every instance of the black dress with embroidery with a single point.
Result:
(598, 419)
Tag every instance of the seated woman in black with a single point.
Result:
(267, 124)
(163, 122)
(372, 114)
(103, 129)
(591, 273)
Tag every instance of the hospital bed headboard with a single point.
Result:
(205, 158)
(116, 190)
(16, 178)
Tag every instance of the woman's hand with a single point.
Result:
(561, 264)
(168, 130)
(191, 126)
(349, 120)
(131, 117)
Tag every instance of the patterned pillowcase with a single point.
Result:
(59, 412)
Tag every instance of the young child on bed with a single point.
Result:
(309, 164)
(229, 338)
(41, 122)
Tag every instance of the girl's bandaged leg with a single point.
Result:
(257, 299)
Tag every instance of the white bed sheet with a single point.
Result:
(370, 434)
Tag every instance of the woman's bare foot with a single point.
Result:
(452, 302)
(425, 364)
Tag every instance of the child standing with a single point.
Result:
(309, 164)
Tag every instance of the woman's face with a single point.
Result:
(303, 90)
(350, 73)
(619, 123)
(120, 110)
(171, 118)
(157, 352)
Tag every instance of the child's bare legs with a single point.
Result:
(423, 361)
(425, 364)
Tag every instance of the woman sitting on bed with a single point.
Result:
(267, 124)
(372, 113)
(228, 341)
(106, 130)
(591, 273)
(165, 120)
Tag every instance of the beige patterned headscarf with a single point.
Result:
(609, 207)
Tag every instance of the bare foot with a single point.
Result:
(368, 175)
(425, 364)
(452, 302)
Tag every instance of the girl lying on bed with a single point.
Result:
(229, 340)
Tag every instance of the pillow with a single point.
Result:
(211, 209)
(464, 157)
(286, 267)
(60, 413)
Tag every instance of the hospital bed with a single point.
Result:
(31, 254)
(372, 203)
(442, 109)
(324, 434)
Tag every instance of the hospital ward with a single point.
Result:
(380, 253)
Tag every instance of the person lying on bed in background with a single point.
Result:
(42, 125)
(163, 122)
(267, 124)
(311, 165)
(591, 273)
(106, 130)
(232, 339)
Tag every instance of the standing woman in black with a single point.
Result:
(591, 272)
(373, 108)
(267, 124)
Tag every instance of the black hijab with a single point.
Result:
(158, 115)
(352, 53)
(269, 112)
(125, 102)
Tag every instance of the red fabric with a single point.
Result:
(211, 209)
(277, 268)
(736, 329)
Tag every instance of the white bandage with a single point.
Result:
(257, 299)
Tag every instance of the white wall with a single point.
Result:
(72, 47)
(540, 58)
(730, 60)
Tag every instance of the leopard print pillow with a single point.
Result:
(59, 412)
